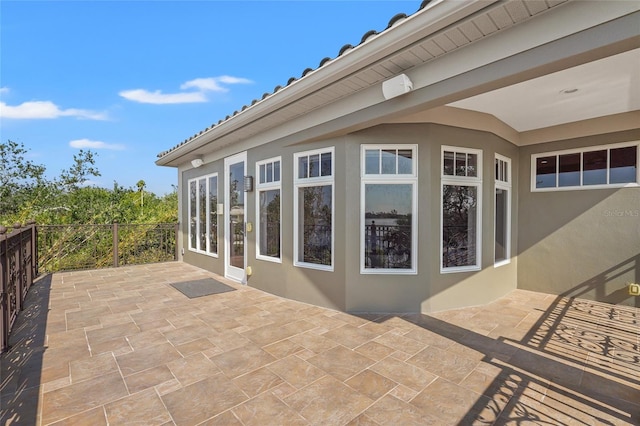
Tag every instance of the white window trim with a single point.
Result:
(414, 168)
(475, 181)
(390, 179)
(267, 187)
(499, 184)
(199, 250)
(580, 151)
(310, 182)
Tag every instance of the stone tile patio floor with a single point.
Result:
(121, 346)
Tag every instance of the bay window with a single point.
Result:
(313, 200)
(461, 195)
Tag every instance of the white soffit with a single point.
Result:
(596, 89)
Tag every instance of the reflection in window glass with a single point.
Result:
(459, 223)
(314, 165)
(623, 165)
(263, 174)
(448, 163)
(461, 164)
(193, 215)
(388, 241)
(405, 161)
(269, 172)
(372, 161)
(202, 203)
(314, 222)
(269, 223)
(213, 214)
(594, 166)
(326, 164)
(276, 171)
(546, 172)
(389, 162)
(303, 168)
(501, 230)
(569, 168)
(472, 165)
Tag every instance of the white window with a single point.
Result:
(203, 215)
(502, 213)
(388, 233)
(461, 195)
(313, 216)
(586, 168)
(268, 210)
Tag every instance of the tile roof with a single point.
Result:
(346, 48)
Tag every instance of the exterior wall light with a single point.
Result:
(248, 183)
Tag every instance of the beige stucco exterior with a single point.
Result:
(579, 242)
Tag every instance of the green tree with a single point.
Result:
(19, 177)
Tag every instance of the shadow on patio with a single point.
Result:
(122, 345)
(578, 364)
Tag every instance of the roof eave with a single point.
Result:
(429, 20)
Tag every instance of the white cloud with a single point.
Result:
(202, 85)
(233, 80)
(213, 83)
(46, 110)
(157, 97)
(4, 90)
(89, 144)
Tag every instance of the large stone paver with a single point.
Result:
(122, 346)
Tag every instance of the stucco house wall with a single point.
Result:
(506, 91)
(580, 243)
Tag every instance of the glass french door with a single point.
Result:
(235, 169)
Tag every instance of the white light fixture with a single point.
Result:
(396, 86)
(197, 162)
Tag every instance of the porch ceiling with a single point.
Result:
(596, 89)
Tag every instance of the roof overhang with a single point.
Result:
(448, 42)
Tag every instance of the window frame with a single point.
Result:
(207, 250)
(267, 186)
(308, 182)
(505, 185)
(390, 179)
(582, 151)
(472, 181)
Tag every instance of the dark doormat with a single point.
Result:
(203, 287)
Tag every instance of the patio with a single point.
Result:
(122, 346)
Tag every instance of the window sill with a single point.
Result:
(269, 259)
(453, 270)
(327, 268)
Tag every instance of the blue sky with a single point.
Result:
(129, 79)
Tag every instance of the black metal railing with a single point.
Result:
(458, 246)
(387, 246)
(18, 268)
(316, 246)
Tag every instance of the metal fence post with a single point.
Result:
(115, 244)
(176, 229)
(20, 263)
(34, 249)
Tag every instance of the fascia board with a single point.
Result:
(431, 87)
(368, 107)
(415, 27)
